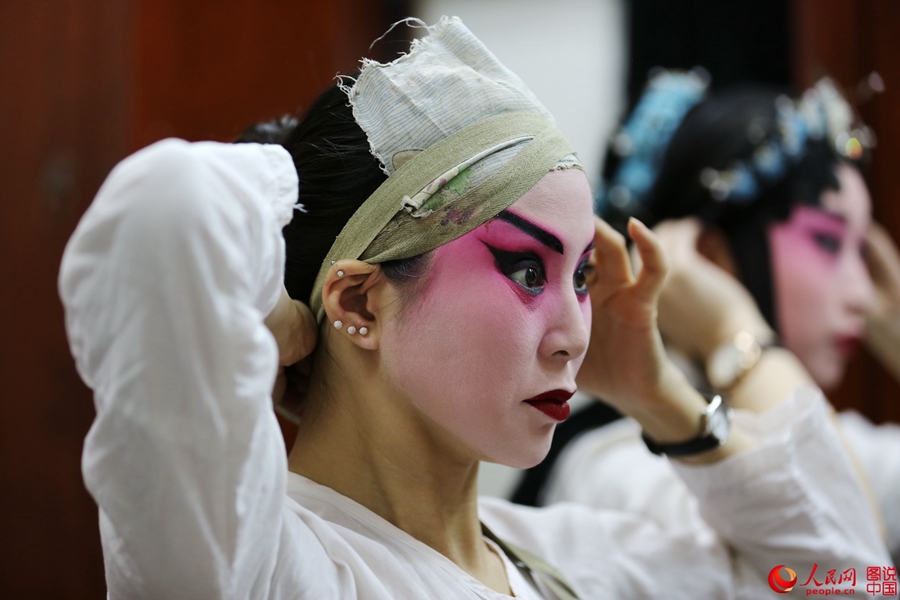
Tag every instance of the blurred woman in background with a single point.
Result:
(766, 218)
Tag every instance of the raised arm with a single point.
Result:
(166, 283)
(783, 489)
(702, 307)
(626, 363)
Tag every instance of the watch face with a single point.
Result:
(724, 366)
(720, 423)
(732, 359)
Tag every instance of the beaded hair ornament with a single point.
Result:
(821, 112)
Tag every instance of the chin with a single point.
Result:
(527, 457)
(828, 377)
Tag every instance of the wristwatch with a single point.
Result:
(715, 425)
(733, 359)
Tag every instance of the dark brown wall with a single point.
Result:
(848, 40)
(208, 67)
(63, 117)
(82, 84)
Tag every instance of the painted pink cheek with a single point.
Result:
(797, 257)
(466, 254)
(793, 247)
(478, 281)
(797, 245)
(815, 233)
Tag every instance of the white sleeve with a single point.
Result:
(794, 500)
(165, 283)
(878, 449)
(645, 484)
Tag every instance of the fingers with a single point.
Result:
(610, 255)
(613, 267)
(653, 267)
(309, 331)
(294, 328)
(301, 333)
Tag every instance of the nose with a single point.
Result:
(568, 331)
(859, 290)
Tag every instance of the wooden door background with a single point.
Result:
(85, 82)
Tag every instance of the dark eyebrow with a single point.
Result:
(541, 235)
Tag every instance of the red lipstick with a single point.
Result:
(847, 345)
(554, 404)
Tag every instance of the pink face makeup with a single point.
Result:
(512, 239)
(488, 353)
(822, 285)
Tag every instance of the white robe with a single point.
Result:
(166, 282)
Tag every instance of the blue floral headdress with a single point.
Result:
(643, 138)
(822, 112)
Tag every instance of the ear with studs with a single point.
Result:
(352, 330)
(351, 295)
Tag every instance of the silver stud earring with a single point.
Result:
(334, 261)
(340, 273)
(338, 324)
(363, 330)
(351, 330)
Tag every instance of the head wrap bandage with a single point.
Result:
(460, 137)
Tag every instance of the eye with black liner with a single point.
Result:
(580, 279)
(525, 268)
(827, 242)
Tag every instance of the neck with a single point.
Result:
(376, 449)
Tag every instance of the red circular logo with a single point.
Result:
(780, 583)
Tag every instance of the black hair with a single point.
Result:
(721, 130)
(336, 173)
(275, 131)
(724, 128)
